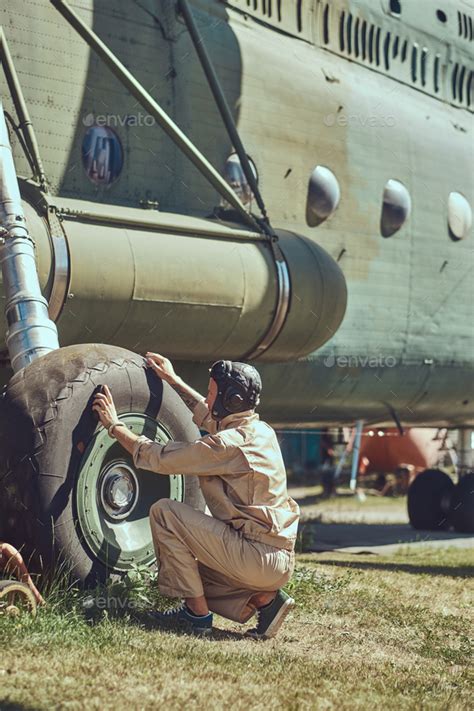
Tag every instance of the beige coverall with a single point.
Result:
(247, 545)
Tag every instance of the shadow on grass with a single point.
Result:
(219, 635)
(139, 620)
(332, 536)
(6, 705)
(461, 571)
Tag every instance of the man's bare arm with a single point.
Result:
(189, 396)
(126, 438)
(164, 369)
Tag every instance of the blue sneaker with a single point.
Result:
(271, 617)
(180, 619)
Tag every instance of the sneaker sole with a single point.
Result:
(276, 623)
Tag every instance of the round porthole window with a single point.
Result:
(102, 155)
(323, 197)
(396, 207)
(459, 216)
(235, 176)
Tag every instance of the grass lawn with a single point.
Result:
(348, 508)
(368, 632)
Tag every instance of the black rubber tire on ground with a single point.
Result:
(46, 423)
(429, 499)
(462, 504)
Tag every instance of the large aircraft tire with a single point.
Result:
(71, 494)
(429, 499)
(462, 504)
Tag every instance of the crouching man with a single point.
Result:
(236, 561)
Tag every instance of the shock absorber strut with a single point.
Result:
(30, 332)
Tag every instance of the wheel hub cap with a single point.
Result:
(119, 490)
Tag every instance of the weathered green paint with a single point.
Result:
(299, 102)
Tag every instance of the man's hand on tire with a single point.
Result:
(161, 366)
(104, 406)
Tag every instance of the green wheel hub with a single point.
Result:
(113, 498)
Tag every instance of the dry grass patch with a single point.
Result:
(368, 632)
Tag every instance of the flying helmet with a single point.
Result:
(239, 387)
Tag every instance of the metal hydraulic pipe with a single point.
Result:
(222, 105)
(30, 332)
(21, 140)
(155, 110)
(69, 209)
(22, 110)
(281, 267)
